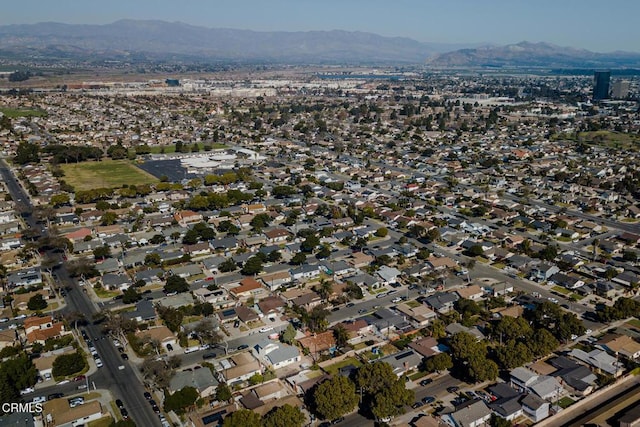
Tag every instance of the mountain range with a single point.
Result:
(131, 40)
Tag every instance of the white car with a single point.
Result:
(27, 391)
(265, 329)
(99, 363)
(39, 399)
(396, 299)
(588, 331)
(22, 316)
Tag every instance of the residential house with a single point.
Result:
(144, 312)
(57, 412)
(271, 306)
(535, 408)
(40, 329)
(274, 281)
(316, 344)
(420, 314)
(388, 275)
(238, 368)
(471, 292)
(305, 271)
(277, 235)
(186, 218)
(162, 334)
(472, 413)
(442, 302)
(25, 277)
(404, 361)
(249, 288)
(623, 345)
(8, 338)
(543, 272)
(276, 354)
(202, 380)
(426, 346)
(600, 360)
(112, 281)
(219, 298)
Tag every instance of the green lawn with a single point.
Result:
(634, 322)
(565, 402)
(103, 293)
(413, 304)
(104, 174)
(12, 113)
(625, 141)
(418, 375)
(561, 290)
(333, 369)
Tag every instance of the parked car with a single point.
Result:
(428, 399)
(426, 381)
(243, 347)
(452, 389)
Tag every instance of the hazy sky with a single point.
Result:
(598, 25)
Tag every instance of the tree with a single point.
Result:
(252, 266)
(386, 394)
(299, 259)
(390, 401)
(27, 153)
(37, 302)
(227, 265)
(284, 416)
(68, 364)
(101, 252)
(475, 250)
(341, 335)
(317, 320)
(310, 243)
(382, 232)
(152, 259)
(60, 199)
(274, 256)
(131, 295)
(172, 317)
(176, 284)
(108, 218)
(242, 418)
(289, 334)
(181, 400)
(335, 397)
(260, 221)
(206, 332)
(223, 393)
(542, 342)
(513, 354)
(439, 362)
(16, 374)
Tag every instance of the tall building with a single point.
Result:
(601, 85)
(620, 89)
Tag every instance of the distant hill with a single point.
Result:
(131, 39)
(526, 54)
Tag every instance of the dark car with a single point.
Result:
(169, 347)
(209, 356)
(243, 347)
(124, 356)
(119, 404)
(337, 420)
(350, 304)
(156, 409)
(80, 378)
(452, 389)
(426, 382)
(428, 399)
(147, 395)
(152, 402)
(417, 405)
(124, 413)
(55, 396)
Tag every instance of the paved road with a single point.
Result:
(122, 383)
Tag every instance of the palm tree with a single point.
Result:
(324, 289)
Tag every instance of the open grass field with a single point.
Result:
(14, 112)
(611, 139)
(104, 174)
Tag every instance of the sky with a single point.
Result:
(596, 25)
